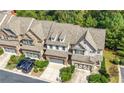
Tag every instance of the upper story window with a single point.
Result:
(92, 51)
(98, 51)
(51, 46)
(27, 42)
(79, 52)
(57, 47)
(63, 48)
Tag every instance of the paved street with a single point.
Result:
(122, 74)
(8, 77)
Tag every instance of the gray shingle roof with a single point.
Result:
(90, 40)
(56, 53)
(37, 29)
(9, 43)
(98, 36)
(19, 25)
(56, 43)
(31, 48)
(84, 59)
(72, 34)
(1, 17)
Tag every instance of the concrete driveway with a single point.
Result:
(80, 76)
(4, 59)
(122, 74)
(51, 73)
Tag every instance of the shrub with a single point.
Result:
(113, 70)
(35, 70)
(66, 73)
(122, 61)
(13, 59)
(116, 61)
(103, 72)
(120, 53)
(21, 57)
(1, 51)
(41, 64)
(72, 68)
(97, 78)
(103, 79)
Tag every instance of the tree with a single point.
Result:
(90, 22)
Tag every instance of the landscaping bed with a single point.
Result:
(109, 56)
(66, 73)
(101, 77)
(14, 60)
(39, 67)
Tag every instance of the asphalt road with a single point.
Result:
(122, 74)
(8, 77)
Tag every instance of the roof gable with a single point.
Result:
(89, 39)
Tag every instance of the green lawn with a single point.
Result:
(109, 55)
(14, 60)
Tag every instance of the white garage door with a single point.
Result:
(32, 54)
(83, 66)
(10, 50)
(59, 61)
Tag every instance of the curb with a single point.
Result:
(27, 75)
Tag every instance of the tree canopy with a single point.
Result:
(112, 21)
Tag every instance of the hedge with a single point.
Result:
(120, 53)
(66, 73)
(116, 61)
(1, 51)
(97, 78)
(122, 61)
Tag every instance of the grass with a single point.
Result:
(109, 55)
(14, 60)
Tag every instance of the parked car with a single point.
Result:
(27, 67)
(18, 66)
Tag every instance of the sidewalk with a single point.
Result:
(4, 60)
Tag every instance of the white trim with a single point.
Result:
(30, 23)
(3, 19)
(10, 19)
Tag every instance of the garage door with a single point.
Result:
(32, 54)
(82, 66)
(59, 61)
(10, 50)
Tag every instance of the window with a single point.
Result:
(98, 52)
(79, 52)
(27, 42)
(92, 51)
(57, 47)
(51, 46)
(63, 48)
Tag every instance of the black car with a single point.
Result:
(27, 67)
(18, 66)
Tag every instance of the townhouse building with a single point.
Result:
(59, 43)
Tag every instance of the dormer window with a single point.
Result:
(61, 40)
(63, 48)
(51, 38)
